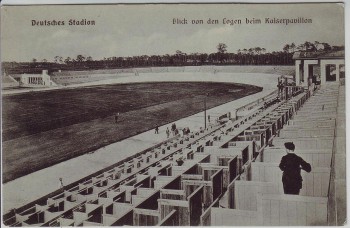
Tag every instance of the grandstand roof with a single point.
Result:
(319, 55)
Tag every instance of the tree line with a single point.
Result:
(246, 56)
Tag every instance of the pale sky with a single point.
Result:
(128, 30)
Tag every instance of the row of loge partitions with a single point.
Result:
(153, 188)
(259, 135)
(257, 198)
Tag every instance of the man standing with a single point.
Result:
(60, 184)
(156, 130)
(116, 117)
(173, 128)
(167, 132)
(179, 161)
(318, 82)
(291, 165)
(280, 87)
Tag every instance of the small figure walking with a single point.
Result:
(280, 87)
(291, 165)
(318, 82)
(173, 128)
(167, 132)
(156, 130)
(179, 161)
(209, 118)
(60, 184)
(116, 117)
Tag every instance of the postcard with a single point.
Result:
(179, 114)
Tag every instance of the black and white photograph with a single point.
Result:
(173, 114)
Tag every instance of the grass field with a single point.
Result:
(41, 129)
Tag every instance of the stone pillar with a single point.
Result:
(337, 72)
(323, 72)
(306, 72)
(297, 72)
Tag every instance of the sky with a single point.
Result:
(129, 30)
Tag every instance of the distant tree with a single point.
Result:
(222, 48)
(309, 46)
(258, 50)
(44, 60)
(34, 60)
(57, 59)
(89, 58)
(317, 45)
(203, 57)
(286, 48)
(301, 47)
(180, 57)
(336, 48)
(326, 47)
(80, 58)
(67, 60)
(251, 51)
(292, 47)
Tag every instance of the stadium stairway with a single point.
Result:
(260, 199)
(8, 82)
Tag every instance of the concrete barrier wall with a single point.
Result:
(278, 210)
(246, 193)
(315, 183)
(317, 158)
(312, 132)
(310, 124)
(229, 217)
(306, 143)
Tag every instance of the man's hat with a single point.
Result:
(289, 145)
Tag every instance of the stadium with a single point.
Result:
(136, 120)
(229, 162)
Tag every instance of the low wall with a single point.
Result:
(76, 77)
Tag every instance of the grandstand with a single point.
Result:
(67, 78)
(79, 77)
(230, 174)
